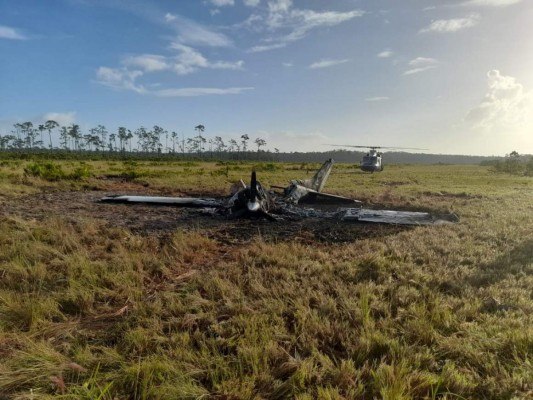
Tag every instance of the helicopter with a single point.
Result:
(372, 161)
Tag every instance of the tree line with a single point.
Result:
(513, 163)
(26, 136)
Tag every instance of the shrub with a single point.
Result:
(262, 167)
(48, 171)
(82, 172)
(54, 172)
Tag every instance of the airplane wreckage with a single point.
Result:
(254, 201)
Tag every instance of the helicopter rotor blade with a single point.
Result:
(375, 147)
(348, 145)
(402, 148)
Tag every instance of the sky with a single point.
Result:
(452, 77)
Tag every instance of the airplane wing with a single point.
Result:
(296, 193)
(328, 196)
(396, 217)
(164, 201)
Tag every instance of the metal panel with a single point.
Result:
(169, 201)
(390, 217)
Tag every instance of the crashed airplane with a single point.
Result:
(254, 201)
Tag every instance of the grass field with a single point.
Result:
(90, 309)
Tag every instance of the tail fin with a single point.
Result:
(253, 186)
(318, 181)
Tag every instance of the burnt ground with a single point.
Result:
(163, 220)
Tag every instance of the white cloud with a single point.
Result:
(421, 64)
(491, 3)
(119, 78)
(148, 62)
(189, 60)
(193, 33)
(385, 54)
(287, 64)
(63, 119)
(422, 61)
(417, 70)
(294, 24)
(169, 17)
(251, 3)
(266, 47)
(198, 35)
(303, 21)
(122, 79)
(505, 107)
(7, 32)
(192, 92)
(376, 99)
(237, 65)
(327, 63)
(222, 3)
(451, 25)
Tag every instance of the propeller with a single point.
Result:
(252, 201)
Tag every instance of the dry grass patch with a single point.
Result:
(89, 310)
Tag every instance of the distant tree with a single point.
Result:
(112, 142)
(92, 139)
(122, 137)
(529, 167)
(102, 132)
(88, 140)
(4, 141)
(260, 143)
(41, 128)
(155, 139)
(219, 144)
(513, 162)
(75, 134)
(174, 137)
(129, 136)
(142, 138)
(232, 145)
(26, 129)
(192, 145)
(63, 137)
(201, 142)
(181, 143)
(8, 141)
(200, 129)
(244, 142)
(17, 130)
(49, 125)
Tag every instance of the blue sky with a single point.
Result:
(454, 76)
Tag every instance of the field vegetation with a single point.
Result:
(93, 310)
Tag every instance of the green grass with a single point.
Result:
(90, 311)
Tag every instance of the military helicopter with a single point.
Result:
(372, 161)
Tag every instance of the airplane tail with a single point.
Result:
(253, 186)
(318, 181)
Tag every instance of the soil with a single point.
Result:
(163, 220)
